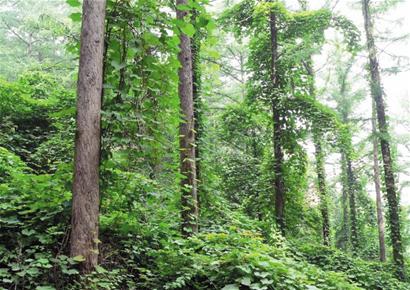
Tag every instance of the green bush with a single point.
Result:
(235, 260)
(368, 275)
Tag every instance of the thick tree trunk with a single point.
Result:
(377, 94)
(379, 203)
(279, 183)
(85, 207)
(189, 198)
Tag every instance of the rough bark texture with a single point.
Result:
(279, 183)
(189, 198)
(85, 207)
(376, 178)
(377, 94)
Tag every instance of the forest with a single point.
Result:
(204, 144)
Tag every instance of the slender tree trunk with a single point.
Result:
(377, 94)
(279, 183)
(379, 202)
(345, 209)
(321, 179)
(320, 164)
(196, 86)
(189, 198)
(85, 207)
(351, 180)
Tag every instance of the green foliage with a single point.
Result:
(36, 113)
(356, 270)
(141, 245)
(33, 218)
(236, 260)
(34, 35)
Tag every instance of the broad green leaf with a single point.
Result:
(76, 17)
(45, 288)
(78, 258)
(73, 3)
(230, 287)
(188, 29)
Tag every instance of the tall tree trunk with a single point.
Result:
(277, 130)
(196, 86)
(377, 94)
(321, 179)
(189, 198)
(351, 180)
(343, 241)
(85, 207)
(320, 163)
(350, 187)
(376, 178)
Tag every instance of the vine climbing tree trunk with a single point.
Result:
(320, 163)
(344, 239)
(349, 188)
(377, 94)
(86, 192)
(279, 183)
(189, 197)
(196, 91)
(376, 178)
(351, 181)
(321, 180)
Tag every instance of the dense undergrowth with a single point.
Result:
(141, 250)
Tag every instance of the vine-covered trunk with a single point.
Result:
(279, 183)
(376, 178)
(344, 239)
(377, 94)
(321, 180)
(278, 171)
(351, 180)
(196, 87)
(189, 198)
(320, 165)
(86, 192)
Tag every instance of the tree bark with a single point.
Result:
(343, 241)
(320, 164)
(377, 94)
(321, 180)
(351, 181)
(85, 206)
(189, 198)
(376, 178)
(349, 189)
(319, 155)
(279, 183)
(196, 91)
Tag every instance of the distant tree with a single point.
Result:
(377, 94)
